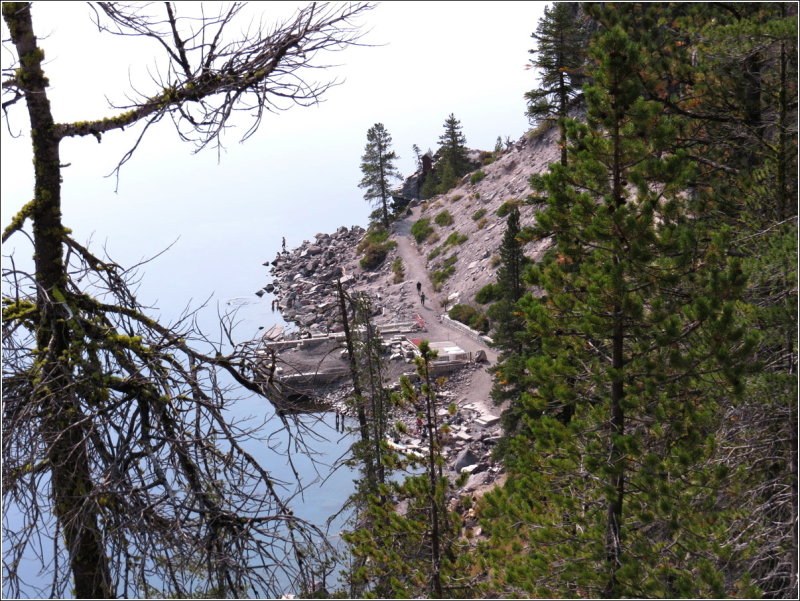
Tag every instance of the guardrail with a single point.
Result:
(465, 329)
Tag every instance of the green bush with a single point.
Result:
(488, 294)
(504, 208)
(447, 269)
(440, 275)
(482, 223)
(476, 177)
(470, 316)
(397, 268)
(375, 236)
(478, 214)
(421, 230)
(374, 247)
(443, 219)
(374, 254)
(455, 238)
(434, 253)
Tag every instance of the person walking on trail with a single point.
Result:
(283, 242)
(419, 288)
(422, 298)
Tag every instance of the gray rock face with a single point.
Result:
(464, 459)
(304, 278)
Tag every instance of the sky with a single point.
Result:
(297, 176)
(223, 216)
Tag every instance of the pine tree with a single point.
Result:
(638, 333)
(560, 56)
(508, 332)
(413, 553)
(377, 165)
(730, 70)
(453, 160)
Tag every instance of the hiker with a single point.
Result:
(419, 288)
(422, 298)
(284, 243)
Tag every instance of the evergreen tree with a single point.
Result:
(638, 333)
(560, 56)
(730, 70)
(413, 553)
(377, 165)
(453, 161)
(510, 378)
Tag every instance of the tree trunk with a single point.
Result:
(613, 541)
(436, 578)
(68, 455)
(358, 393)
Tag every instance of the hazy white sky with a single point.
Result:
(298, 175)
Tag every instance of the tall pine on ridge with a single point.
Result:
(377, 165)
(560, 56)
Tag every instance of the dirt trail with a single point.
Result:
(416, 271)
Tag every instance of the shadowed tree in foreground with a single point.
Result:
(121, 468)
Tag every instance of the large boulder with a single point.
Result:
(464, 459)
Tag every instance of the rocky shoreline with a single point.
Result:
(304, 287)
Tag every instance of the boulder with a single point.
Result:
(464, 459)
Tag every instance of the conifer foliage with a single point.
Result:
(452, 160)
(560, 56)
(377, 165)
(638, 335)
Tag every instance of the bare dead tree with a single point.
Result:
(122, 472)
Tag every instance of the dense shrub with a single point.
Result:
(374, 247)
(478, 214)
(476, 177)
(444, 219)
(470, 316)
(455, 238)
(434, 253)
(421, 230)
(445, 271)
(373, 255)
(397, 268)
(488, 294)
(504, 208)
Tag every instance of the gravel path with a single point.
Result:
(416, 271)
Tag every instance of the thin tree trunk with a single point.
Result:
(70, 476)
(436, 580)
(363, 426)
(613, 541)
